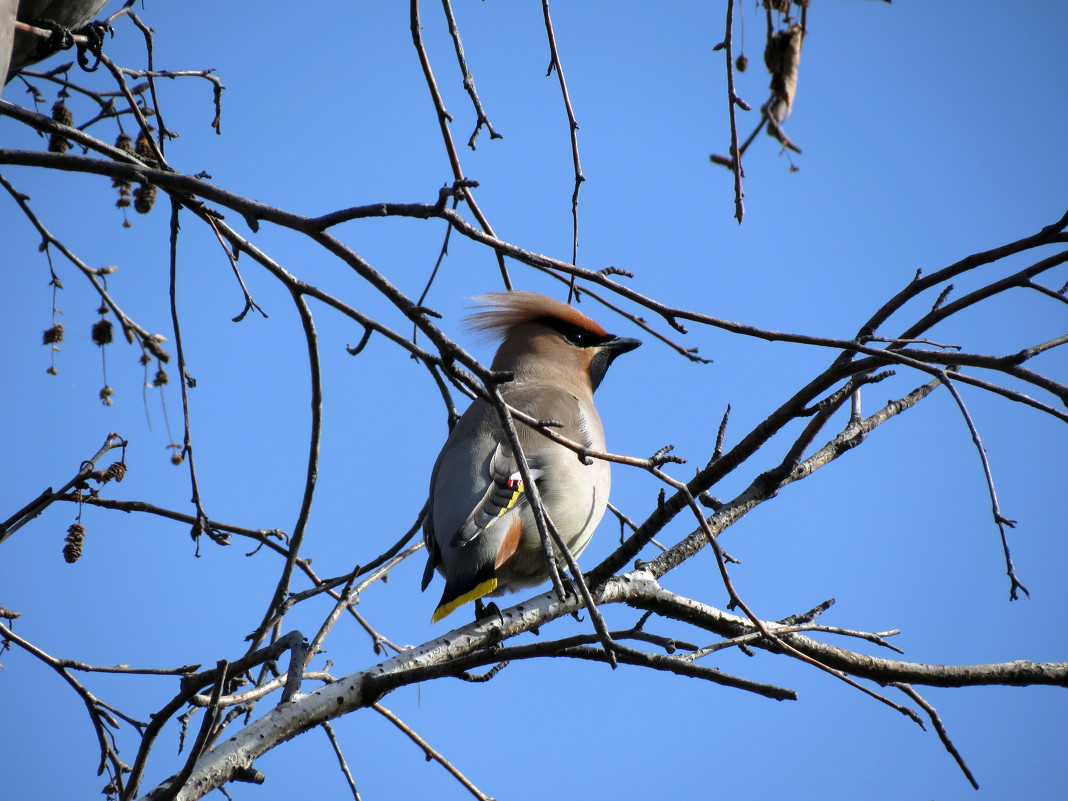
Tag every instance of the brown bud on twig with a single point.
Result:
(75, 537)
(53, 335)
(103, 332)
(144, 146)
(124, 143)
(61, 114)
(144, 198)
(106, 395)
(115, 472)
(58, 144)
(783, 57)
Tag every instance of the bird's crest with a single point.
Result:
(502, 311)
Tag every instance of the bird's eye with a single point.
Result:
(580, 338)
(576, 335)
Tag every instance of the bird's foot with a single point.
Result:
(482, 611)
(60, 38)
(94, 32)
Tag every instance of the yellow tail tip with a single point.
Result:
(447, 608)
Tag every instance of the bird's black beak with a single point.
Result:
(620, 345)
(606, 353)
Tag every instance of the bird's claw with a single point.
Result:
(94, 32)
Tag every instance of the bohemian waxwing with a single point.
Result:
(479, 531)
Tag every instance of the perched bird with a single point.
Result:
(479, 531)
(71, 15)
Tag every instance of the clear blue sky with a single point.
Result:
(930, 131)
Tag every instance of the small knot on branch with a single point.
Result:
(250, 776)
(456, 190)
(1013, 596)
(721, 435)
(691, 354)
(707, 500)
(426, 311)
(875, 379)
(361, 344)
(942, 297)
(481, 677)
(607, 271)
(809, 616)
(676, 324)
(865, 335)
(662, 457)
(1057, 227)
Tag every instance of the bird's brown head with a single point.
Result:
(545, 340)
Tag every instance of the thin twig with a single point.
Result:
(939, 728)
(98, 712)
(732, 101)
(444, 118)
(438, 262)
(736, 600)
(150, 343)
(351, 593)
(999, 518)
(186, 381)
(341, 760)
(554, 64)
(469, 82)
(430, 752)
(314, 443)
(250, 304)
(263, 537)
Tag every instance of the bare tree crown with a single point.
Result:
(294, 444)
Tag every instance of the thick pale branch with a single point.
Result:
(476, 643)
(1018, 673)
